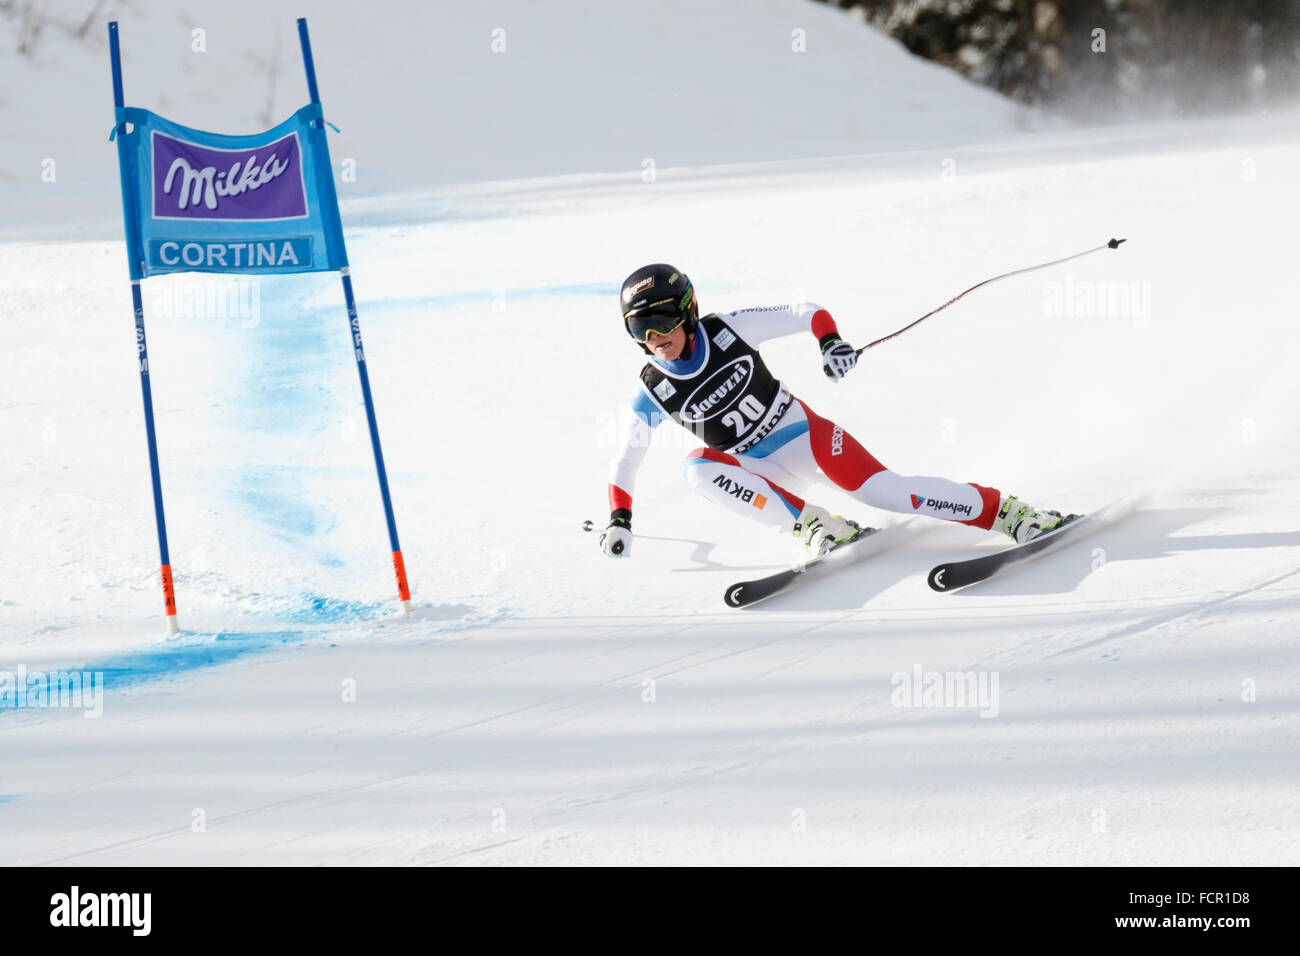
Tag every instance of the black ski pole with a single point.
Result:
(1113, 244)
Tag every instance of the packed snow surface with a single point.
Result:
(545, 704)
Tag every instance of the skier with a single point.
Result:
(762, 445)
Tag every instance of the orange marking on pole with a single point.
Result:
(169, 592)
(399, 566)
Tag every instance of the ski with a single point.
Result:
(960, 574)
(745, 593)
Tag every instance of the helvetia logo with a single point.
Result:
(935, 505)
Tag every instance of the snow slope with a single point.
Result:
(547, 705)
(570, 87)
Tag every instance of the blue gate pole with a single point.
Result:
(399, 566)
(137, 303)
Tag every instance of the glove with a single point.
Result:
(616, 539)
(838, 358)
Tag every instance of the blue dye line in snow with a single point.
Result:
(166, 661)
(327, 610)
(486, 295)
(271, 495)
(280, 390)
(162, 662)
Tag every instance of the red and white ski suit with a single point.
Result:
(780, 445)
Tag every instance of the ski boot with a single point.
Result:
(1023, 523)
(820, 531)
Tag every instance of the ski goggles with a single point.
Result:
(640, 326)
(662, 317)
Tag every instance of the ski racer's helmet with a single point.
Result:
(658, 298)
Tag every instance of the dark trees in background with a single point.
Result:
(1107, 57)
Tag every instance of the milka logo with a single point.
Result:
(716, 388)
(196, 182)
(206, 184)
